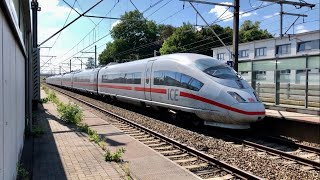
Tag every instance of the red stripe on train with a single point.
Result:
(199, 98)
(116, 86)
(154, 90)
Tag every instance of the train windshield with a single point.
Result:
(216, 69)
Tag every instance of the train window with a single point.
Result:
(177, 78)
(222, 72)
(185, 80)
(169, 78)
(122, 78)
(158, 78)
(104, 79)
(137, 78)
(129, 78)
(215, 69)
(195, 85)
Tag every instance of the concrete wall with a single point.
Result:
(12, 100)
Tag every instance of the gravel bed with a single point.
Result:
(246, 160)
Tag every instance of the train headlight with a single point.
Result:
(237, 97)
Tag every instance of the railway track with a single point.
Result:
(197, 162)
(308, 157)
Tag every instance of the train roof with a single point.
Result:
(183, 58)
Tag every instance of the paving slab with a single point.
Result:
(307, 118)
(64, 153)
(143, 162)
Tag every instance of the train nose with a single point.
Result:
(248, 112)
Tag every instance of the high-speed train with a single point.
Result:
(184, 83)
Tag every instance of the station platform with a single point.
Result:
(143, 162)
(293, 113)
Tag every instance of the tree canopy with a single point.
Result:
(90, 63)
(136, 38)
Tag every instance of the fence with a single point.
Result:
(290, 81)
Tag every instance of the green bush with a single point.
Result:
(37, 131)
(70, 113)
(22, 172)
(44, 100)
(84, 128)
(94, 136)
(109, 156)
(53, 97)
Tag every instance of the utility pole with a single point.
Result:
(293, 3)
(155, 53)
(70, 65)
(60, 70)
(235, 38)
(95, 56)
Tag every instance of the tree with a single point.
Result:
(179, 41)
(187, 39)
(250, 31)
(90, 63)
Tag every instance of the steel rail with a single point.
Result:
(285, 155)
(227, 167)
(291, 144)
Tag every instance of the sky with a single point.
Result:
(85, 33)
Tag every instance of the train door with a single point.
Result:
(147, 80)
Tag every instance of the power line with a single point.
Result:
(70, 23)
(65, 22)
(90, 30)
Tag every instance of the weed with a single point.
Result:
(70, 113)
(103, 145)
(126, 170)
(37, 131)
(22, 172)
(83, 128)
(53, 97)
(94, 136)
(109, 156)
(44, 100)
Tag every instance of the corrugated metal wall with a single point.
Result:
(12, 101)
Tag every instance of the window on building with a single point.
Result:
(287, 71)
(260, 51)
(220, 56)
(283, 49)
(244, 53)
(308, 45)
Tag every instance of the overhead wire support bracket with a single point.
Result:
(208, 25)
(205, 2)
(70, 23)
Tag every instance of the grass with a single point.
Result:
(70, 113)
(116, 156)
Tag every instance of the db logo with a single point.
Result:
(251, 100)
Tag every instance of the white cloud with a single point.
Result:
(225, 14)
(221, 11)
(198, 28)
(271, 15)
(301, 29)
(115, 23)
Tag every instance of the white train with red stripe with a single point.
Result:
(182, 83)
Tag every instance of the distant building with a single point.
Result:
(289, 46)
(292, 61)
